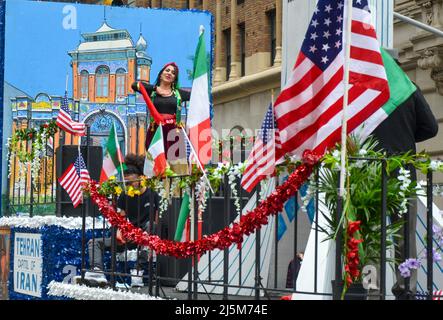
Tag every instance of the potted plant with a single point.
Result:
(360, 223)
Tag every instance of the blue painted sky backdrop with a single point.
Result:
(37, 44)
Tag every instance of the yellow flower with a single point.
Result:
(118, 190)
(137, 192)
(112, 178)
(144, 182)
(131, 192)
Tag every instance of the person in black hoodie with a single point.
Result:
(137, 210)
(410, 123)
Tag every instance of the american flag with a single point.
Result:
(309, 109)
(261, 160)
(65, 122)
(437, 295)
(82, 171)
(72, 180)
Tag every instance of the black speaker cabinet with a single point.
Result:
(213, 221)
(66, 155)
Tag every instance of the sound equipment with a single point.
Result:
(170, 267)
(66, 155)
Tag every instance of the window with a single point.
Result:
(84, 85)
(102, 82)
(273, 33)
(227, 34)
(143, 73)
(120, 82)
(242, 31)
(240, 2)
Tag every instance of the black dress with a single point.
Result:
(170, 109)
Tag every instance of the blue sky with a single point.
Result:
(37, 44)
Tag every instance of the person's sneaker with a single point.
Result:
(96, 276)
(136, 279)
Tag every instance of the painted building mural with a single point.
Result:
(104, 65)
(94, 54)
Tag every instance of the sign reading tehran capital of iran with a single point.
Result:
(298, 13)
(28, 258)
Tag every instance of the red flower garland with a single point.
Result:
(352, 258)
(223, 239)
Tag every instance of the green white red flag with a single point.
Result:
(113, 162)
(155, 162)
(198, 118)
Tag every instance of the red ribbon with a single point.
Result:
(223, 239)
(152, 110)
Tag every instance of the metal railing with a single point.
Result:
(27, 195)
(162, 272)
(198, 288)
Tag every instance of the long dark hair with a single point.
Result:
(175, 84)
(134, 164)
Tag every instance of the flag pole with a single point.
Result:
(197, 159)
(66, 87)
(345, 98)
(119, 160)
(340, 203)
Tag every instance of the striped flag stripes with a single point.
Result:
(261, 160)
(70, 181)
(309, 110)
(65, 122)
(73, 179)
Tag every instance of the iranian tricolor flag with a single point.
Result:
(113, 160)
(400, 87)
(198, 119)
(182, 233)
(155, 162)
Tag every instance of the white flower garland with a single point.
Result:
(310, 193)
(405, 178)
(164, 198)
(173, 188)
(11, 157)
(79, 292)
(221, 168)
(360, 163)
(235, 172)
(201, 194)
(39, 222)
(36, 160)
(436, 165)
(22, 173)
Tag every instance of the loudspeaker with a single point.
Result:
(66, 155)
(213, 221)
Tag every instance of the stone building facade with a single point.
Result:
(421, 55)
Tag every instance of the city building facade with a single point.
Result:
(248, 56)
